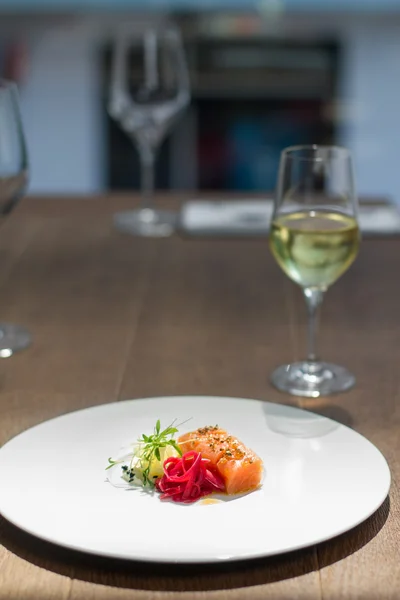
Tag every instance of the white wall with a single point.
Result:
(61, 108)
(371, 100)
(60, 99)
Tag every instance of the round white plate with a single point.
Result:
(321, 479)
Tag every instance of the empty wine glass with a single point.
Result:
(13, 183)
(314, 238)
(149, 91)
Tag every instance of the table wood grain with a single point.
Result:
(116, 317)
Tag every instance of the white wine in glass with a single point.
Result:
(314, 238)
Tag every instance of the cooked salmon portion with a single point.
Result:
(240, 468)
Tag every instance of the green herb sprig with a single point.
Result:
(112, 463)
(151, 445)
(147, 448)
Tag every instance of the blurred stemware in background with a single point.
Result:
(13, 183)
(314, 238)
(149, 91)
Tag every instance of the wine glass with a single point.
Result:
(13, 183)
(149, 91)
(314, 238)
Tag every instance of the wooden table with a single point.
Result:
(117, 317)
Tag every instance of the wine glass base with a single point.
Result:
(312, 379)
(147, 222)
(13, 338)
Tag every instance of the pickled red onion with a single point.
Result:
(188, 478)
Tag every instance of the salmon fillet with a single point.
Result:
(240, 467)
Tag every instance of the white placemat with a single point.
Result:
(252, 217)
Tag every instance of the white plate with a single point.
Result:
(321, 479)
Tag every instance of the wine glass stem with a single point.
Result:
(313, 298)
(147, 160)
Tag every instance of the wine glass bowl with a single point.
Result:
(13, 184)
(314, 238)
(148, 93)
(13, 152)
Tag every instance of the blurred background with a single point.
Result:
(264, 75)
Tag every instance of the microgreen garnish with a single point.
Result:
(146, 450)
(112, 463)
(150, 448)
